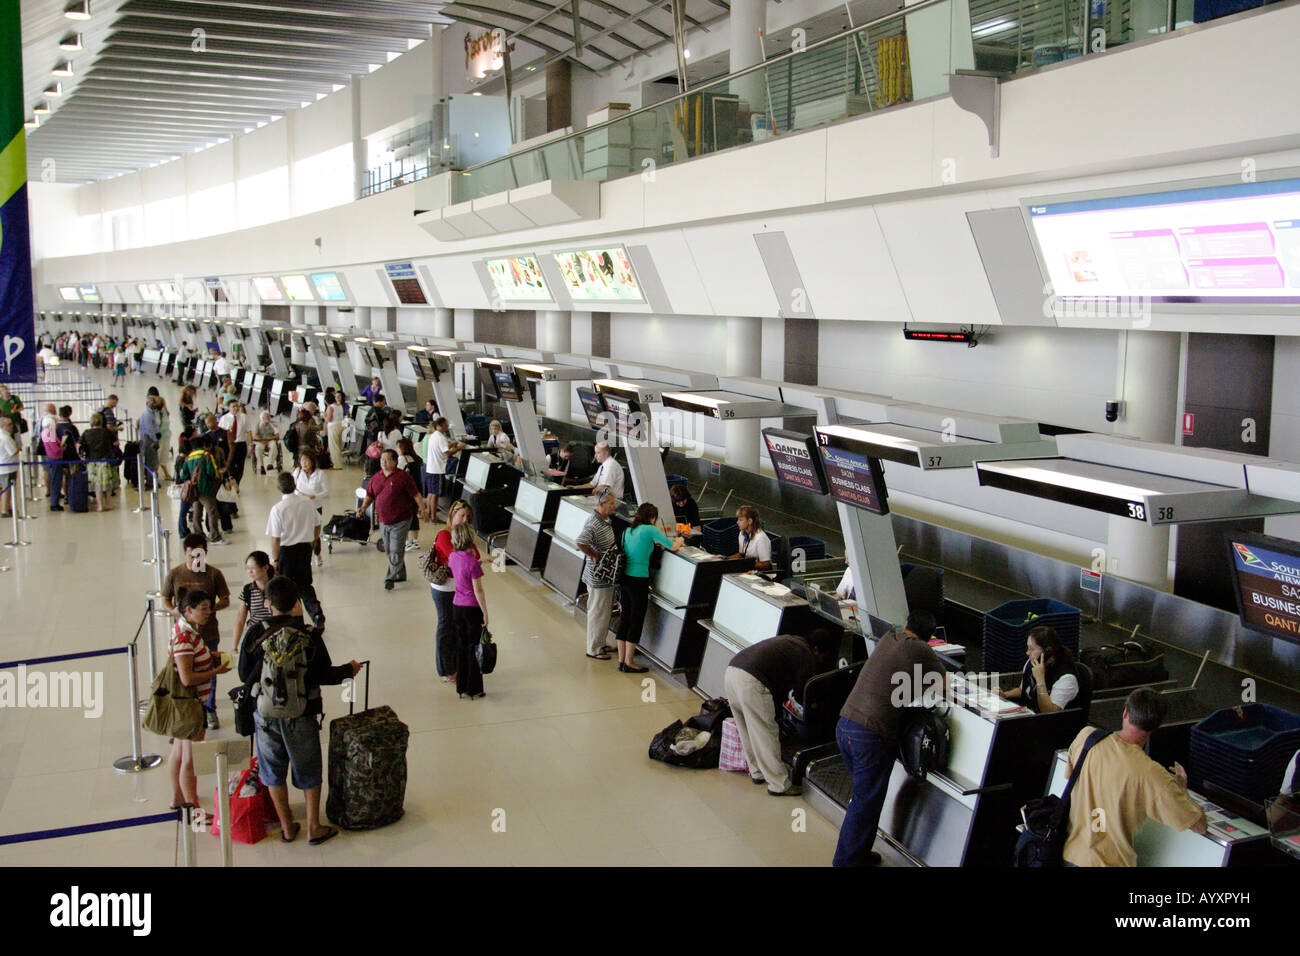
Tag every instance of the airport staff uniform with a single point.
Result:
(610, 474)
(295, 522)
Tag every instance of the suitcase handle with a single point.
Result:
(352, 698)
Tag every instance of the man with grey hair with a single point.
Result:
(609, 473)
(598, 543)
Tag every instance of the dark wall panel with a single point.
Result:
(600, 335)
(511, 327)
(801, 351)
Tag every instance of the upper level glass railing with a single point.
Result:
(905, 55)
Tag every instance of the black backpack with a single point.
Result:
(710, 718)
(1047, 819)
(291, 440)
(924, 741)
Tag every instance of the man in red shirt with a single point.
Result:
(395, 497)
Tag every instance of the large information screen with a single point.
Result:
(1216, 244)
(423, 365)
(600, 275)
(1267, 572)
(795, 458)
(507, 385)
(406, 284)
(518, 278)
(852, 476)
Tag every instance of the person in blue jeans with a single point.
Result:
(870, 721)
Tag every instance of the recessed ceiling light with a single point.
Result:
(32, 123)
(78, 11)
(374, 66)
(71, 41)
(64, 68)
(41, 109)
(337, 87)
(476, 93)
(54, 89)
(392, 55)
(321, 96)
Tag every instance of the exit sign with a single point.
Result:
(1189, 423)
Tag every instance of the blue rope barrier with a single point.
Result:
(106, 652)
(169, 817)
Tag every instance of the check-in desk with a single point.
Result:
(749, 609)
(965, 814)
(536, 503)
(488, 488)
(1229, 840)
(564, 562)
(683, 592)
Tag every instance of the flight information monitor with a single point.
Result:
(852, 476)
(1267, 575)
(795, 458)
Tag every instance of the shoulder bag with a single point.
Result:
(434, 571)
(1047, 819)
(486, 652)
(173, 709)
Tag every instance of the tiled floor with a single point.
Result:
(550, 768)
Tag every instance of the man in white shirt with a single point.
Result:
(9, 458)
(235, 424)
(437, 449)
(609, 473)
(221, 366)
(294, 528)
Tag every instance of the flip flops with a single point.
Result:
(329, 834)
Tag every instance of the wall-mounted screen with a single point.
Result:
(593, 406)
(371, 356)
(268, 290)
(489, 381)
(216, 291)
(1267, 574)
(297, 288)
(852, 476)
(796, 460)
(1238, 242)
(599, 275)
(619, 412)
(518, 278)
(423, 365)
(406, 284)
(69, 293)
(88, 293)
(170, 291)
(507, 384)
(149, 292)
(328, 287)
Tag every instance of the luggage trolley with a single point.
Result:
(348, 527)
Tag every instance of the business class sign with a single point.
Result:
(484, 53)
(1268, 584)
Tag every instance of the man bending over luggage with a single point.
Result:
(286, 665)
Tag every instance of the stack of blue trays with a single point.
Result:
(721, 536)
(814, 549)
(1244, 749)
(1006, 626)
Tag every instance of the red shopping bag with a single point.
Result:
(250, 808)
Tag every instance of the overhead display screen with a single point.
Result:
(1216, 244)
(268, 290)
(1267, 572)
(489, 381)
(423, 365)
(507, 385)
(593, 406)
(852, 476)
(328, 287)
(216, 291)
(88, 293)
(599, 275)
(406, 284)
(297, 288)
(619, 414)
(795, 458)
(518, 278)
(69, 293)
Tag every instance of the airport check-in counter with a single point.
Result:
(749, 609)
(564, 562)
(684, 590)
(488, 487)
(966, 813)
(1229, 840)
(536, 503)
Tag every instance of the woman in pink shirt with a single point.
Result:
(468, 609)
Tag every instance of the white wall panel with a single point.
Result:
(677, 341)
(394, 95)
(212, 167)
(323, 125)
(263, 149)
(163, 182)
(679, 272)
(726, 256)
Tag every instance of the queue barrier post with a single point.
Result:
(21, 493)
(139, 483)
(157, 539)
(16, 493)
(135, 761)
(223, 802)
(190, 853)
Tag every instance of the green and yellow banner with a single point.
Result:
(17, 312)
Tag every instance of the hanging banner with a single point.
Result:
(17, 315)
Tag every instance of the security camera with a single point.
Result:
(1112, 411)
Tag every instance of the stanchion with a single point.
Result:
(157, 541)
(18, 541)
(223, 801)
(20, 495)
(139, 484)
(152, 610)
(187, 834)
(166, 550)
(135, 762)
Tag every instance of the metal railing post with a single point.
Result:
(139, 483)
(223, 801)
(135, 762)
(189, 853)
(14, 494)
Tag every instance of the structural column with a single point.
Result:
(1146, 381)
(748, 22)
(555, 334)
(744, 359)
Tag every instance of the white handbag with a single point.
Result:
(228, 493)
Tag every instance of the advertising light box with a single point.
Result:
(1267, 573)
(1233, 243)
(268, 290)
(297, 288)
(796, 460)
(406, 284)
(88, 293)
(69, 293)
(216, 291)
(599, 275)
(518, 278)
(328, 287)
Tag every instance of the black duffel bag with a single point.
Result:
(1124, 665)
(710, 719)
(1047, 819)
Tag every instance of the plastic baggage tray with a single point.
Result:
(1263, 728)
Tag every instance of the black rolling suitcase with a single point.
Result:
(367, 767)
(78, 489)
(130, 464)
